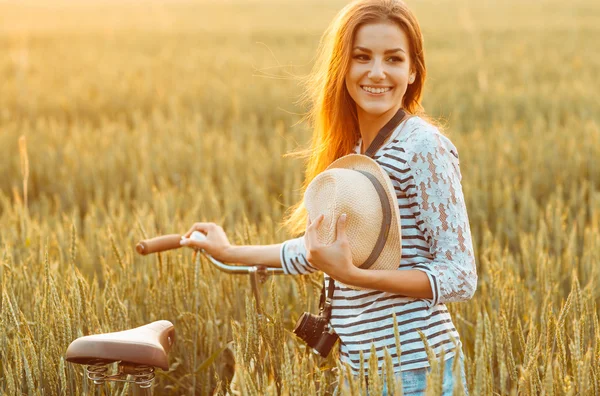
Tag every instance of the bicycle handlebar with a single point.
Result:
(158, 244)
(172, 241)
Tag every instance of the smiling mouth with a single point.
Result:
(375, 91)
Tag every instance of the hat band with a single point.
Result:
(385, 223)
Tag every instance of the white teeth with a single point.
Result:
(376, 90)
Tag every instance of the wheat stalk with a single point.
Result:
(24, 167)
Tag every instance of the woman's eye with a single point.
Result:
(366, 57)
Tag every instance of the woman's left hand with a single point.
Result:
(335, 259)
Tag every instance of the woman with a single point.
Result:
(371, 66)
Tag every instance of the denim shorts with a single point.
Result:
(414, 382)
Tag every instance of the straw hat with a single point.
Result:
(356, 185)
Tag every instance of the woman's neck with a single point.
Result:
(370, 125)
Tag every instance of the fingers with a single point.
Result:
(341, 226)
(202, 227)
(310, 236)
(315, 224)
(193, 244)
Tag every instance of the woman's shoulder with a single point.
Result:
(424, 137)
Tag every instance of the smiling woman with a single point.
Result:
(371, 72)
(365, 93)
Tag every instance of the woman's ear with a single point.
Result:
(411, 77)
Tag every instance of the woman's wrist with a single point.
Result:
(356, 277)
(229, 255)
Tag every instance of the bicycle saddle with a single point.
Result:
(147, 345)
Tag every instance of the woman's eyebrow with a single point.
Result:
(385, 52)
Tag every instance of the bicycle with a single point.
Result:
(139, 351)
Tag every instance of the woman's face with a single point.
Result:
(380, 68)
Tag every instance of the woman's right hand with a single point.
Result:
(216, 243)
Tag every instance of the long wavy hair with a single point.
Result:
(332, 112)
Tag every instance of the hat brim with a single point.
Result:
(389, 258)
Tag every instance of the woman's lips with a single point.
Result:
(388, 89)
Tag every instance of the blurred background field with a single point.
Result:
(141, 118)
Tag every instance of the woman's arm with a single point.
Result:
(218, 246)
(409, 283)
(435, 188)
(293, 257)
(289, 255)
(336, 260)
(267, 255)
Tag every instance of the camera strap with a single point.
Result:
(384, 133)
(325, 303)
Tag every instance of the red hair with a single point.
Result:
(332, 112)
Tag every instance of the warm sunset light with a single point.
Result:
(183, 182)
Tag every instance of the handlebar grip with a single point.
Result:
(158, 244)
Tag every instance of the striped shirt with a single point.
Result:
(423, 166)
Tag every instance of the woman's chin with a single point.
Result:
(374, 111)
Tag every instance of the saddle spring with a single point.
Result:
(142, 375)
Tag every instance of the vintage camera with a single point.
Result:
(316, 331)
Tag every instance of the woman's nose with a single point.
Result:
(376, 72)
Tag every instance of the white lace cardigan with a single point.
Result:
(423, 166)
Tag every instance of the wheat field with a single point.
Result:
(121, 120)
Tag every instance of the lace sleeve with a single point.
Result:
(441, 215)
(293, 257)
